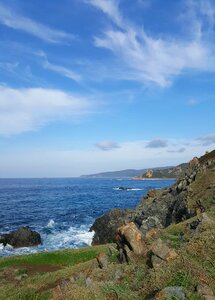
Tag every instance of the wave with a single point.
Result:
(51, 223)
(127, 189)
(55, 237)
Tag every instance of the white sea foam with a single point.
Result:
(72, 237)
(127, 189)
(51, 223)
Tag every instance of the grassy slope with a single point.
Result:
(38, 283)
(194, 264)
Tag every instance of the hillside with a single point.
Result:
(164, 173)
(128, 173)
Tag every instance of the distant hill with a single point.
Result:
(168, 172)
(129, 173)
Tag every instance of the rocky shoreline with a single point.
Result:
(192, 192)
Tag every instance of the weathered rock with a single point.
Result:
(160, 249)
(149, 223)
(206, 220)
(88, 282)
(208, 297)
(204, 290)
(194, 163)
(156, 261)
(118, 274)
(152, 234)
(106, 226)
(133, 238)
(102, 260)
(170, 292)
(23, 237)
(152, 193)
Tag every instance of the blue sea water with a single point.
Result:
(62, 210)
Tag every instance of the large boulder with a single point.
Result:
(106, 226)
(23, 237)
(132, 236)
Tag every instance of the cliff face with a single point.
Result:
(168, 173)
(192, 193)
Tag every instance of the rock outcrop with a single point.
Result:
(23, 237)
(131, 236)
(106, 226)
(193, 193)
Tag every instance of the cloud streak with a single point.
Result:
(13, 20)
(109, 7)
(59, 69)
(157, 60)
(23, 110)
(207, 140)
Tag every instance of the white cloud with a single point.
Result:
(207, 140)
(109, 7)
(13, 20)
(155, 59)
(58, 69)
(181, 150)
(75, 162)
(107, 145)
(24, 110)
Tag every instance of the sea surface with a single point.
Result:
(62, 210)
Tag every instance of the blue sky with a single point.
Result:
(98, 85)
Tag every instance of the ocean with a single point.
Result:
(63, 209)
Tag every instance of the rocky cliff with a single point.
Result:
(194, 192)
(164, 173)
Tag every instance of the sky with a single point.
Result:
(88, 86)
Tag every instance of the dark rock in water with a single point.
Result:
(23, 237)
(106, 226)
(121, 188)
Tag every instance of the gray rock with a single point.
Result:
(106, 226)
(170, 292)
(23, 237)
(156, 261)
(204, 290)
(118, 274)
(88, 282)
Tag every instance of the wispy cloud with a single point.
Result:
(109, 7)
(181, 150)
(9, 67)
(207, 140)
(29, 109)
(193, 102)
(59, 69)
(107, 145)
(157, 60)
(157, 143)
(16, 21)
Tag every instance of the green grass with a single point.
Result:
(64, 258)
(28, 288)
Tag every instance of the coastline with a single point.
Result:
(148, 179)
